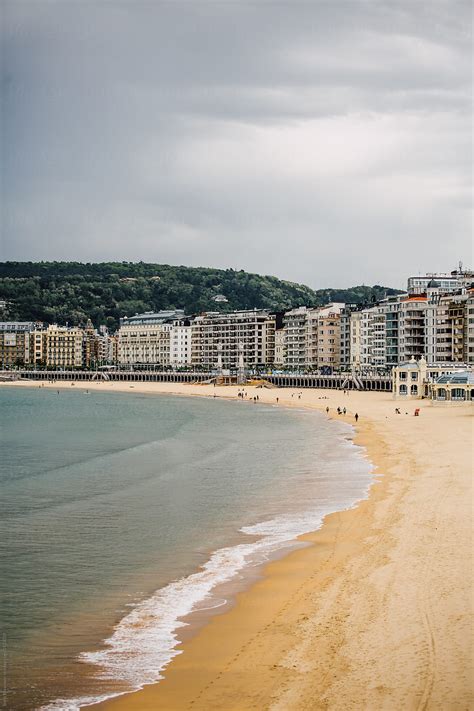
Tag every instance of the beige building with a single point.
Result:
(279, 360)
(355, 336)
(57, 347)
(329, 336)
(418, 379)
(146, 338)
(64, 347)
(14, 343)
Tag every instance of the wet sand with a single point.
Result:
(377, 612)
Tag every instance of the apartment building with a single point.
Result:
(329, 336)
(14, 343)
(470, 327)
(345, 336)
(280, 348)
(218, 335)
(146, 338)
(448, 282)
(57, 347)
(412, 327)
(300, 343)
(458, 319)
(180, 343)
(355, 354)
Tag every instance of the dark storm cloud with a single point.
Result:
(325, 142)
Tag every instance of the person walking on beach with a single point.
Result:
(278, 400)
(356, 416)
(327, 411)
(344, 411)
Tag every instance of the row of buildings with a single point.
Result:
(33, 344)
(433, 319)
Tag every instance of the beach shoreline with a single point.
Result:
(376, 612)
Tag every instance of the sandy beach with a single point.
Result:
(377, 612)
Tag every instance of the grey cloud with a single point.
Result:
(310, 140)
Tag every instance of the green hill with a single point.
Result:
(60, 292)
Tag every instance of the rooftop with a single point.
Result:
(464, 378)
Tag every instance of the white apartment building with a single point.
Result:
(355, 338)
(180, 343)
(296, 325)
(218, 335)
(448, 282)
(366, 335)
(146, 338)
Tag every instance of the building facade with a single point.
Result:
(215, 339)
(15, 343)
(146, 338)
(180, 343)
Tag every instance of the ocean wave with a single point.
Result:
(145, 641)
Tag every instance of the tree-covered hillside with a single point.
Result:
(60, 292)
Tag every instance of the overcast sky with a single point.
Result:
(324, 142)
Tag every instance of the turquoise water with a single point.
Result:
(121, 513)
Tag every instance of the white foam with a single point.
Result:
(145, 640)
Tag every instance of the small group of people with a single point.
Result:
(242, 394)
(343, 412)
(299, 395)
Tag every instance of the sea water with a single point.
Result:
(123, 513)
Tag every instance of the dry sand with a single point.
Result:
(377, 613)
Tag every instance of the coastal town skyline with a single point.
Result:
(295, 140)
(432, 321)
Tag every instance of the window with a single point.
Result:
(403, 375)
(441, 394)
(414, 390)
(458, 394)
(414, 376)
(403, 389)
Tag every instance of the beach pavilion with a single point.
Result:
(455, 387)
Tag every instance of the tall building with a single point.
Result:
(345, 327)
(301, 337)
(391, 308)
(470, 327)
(180, 343)
(356, 343)
(215, 335)
(280, 348)
(458, 318)
(14, 343)
(329, 336)
(412, 327)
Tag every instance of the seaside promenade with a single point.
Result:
(376, 612)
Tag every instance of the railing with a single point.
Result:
(286, 380)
